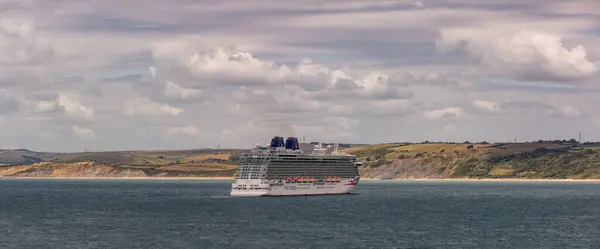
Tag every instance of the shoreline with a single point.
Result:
(196, 178)
(483, 180)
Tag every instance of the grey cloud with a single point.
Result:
(138, 59)
(67, 80)
(388, 49)
(401, 79)
(42, 95)
(488, 85)
(535, 108)
(96, 23)
(19, 44)
(392, 93)
(525, 104)
(124, 78)
(8, 104)
(308, 83)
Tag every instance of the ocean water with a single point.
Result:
(201, 214)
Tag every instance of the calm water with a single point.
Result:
(198, 214)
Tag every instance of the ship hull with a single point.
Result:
(248, 193)
(300, 189)
(296, 189)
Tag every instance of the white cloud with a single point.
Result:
(145, 106)
(450, 128)
(248, 78)
(183, 130)
(46, 106)
(20, 44)
(568, 111)
(220, 63)
(83, 133)
(152, 72)
(62, 103)
(74, 108)
(528, 55)
(485, 105)
(444, 112)
(7, 102)
(175, 91)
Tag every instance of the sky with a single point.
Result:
(128, 75)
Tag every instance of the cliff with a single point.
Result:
(173, 163)
(94, 169)
(442, 161)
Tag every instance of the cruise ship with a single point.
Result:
(287, 168)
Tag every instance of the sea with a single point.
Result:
(58, 213)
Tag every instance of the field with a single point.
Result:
(203, 162)
(554, 160)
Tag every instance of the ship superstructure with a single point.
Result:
(283, 168)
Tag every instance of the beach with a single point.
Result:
(129, 178)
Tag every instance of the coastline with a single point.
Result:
(123, 178)
(483, 180)
(362, 179)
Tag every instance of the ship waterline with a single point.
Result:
(282, 168)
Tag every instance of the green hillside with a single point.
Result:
(553, 160)
(157, 163)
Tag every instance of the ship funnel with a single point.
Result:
(277, 142)
(291, 143)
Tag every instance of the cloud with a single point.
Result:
(191, 55)
(487, 105)
(419, 4)
(74, 108)
(574, 7)
(145, 106)
(328, 129)
(83, 133)
(175, 91)
(64, 104)
(444, 112)
(234, 73)
(7, 102)
(183, 130)
(46, 106)
(450, 128)
(540, 109)
(20, 44)
(226, 68)
(527, 55)
(568, 111)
